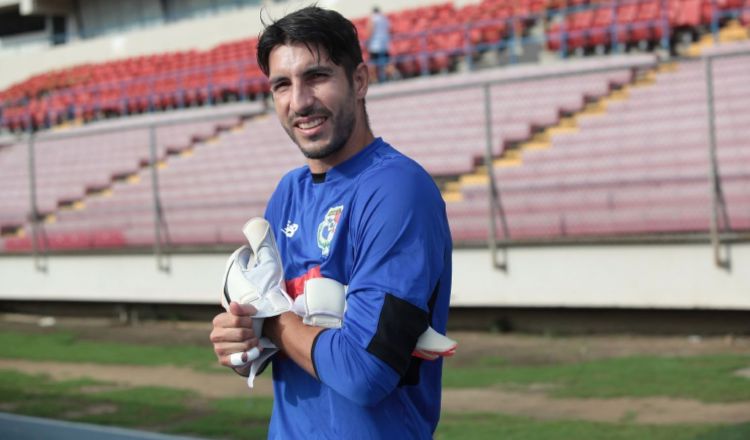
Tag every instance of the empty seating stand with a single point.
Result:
(210, 191)
(88, 166)
(641, 168)
(444, 130)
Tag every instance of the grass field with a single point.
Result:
(703, 375)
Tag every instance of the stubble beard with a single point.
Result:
(343, 126)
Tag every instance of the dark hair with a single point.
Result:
(317, 28)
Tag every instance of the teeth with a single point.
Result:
(310, 124)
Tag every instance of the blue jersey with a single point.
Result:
(376, 223)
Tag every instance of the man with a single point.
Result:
(359, 213)
(379, 30)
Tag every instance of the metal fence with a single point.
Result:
(150, 149)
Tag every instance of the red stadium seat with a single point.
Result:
(579, 25)
(687, 13)
(600, 34)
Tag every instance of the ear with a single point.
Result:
(361, 80)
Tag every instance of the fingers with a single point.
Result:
(238, 309)
(233, 334)
(236, 354)
(227, 348)
(230, 320)
(228, 341)
(240, 359)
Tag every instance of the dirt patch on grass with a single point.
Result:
(512, 349)
(651, 410)
(541, 350)
(206, 384)
(94, 410)
(532, 403)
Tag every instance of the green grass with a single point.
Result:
(706, 378)
(732, 432)
(182, 412)
(141, 406)
(37, 395)
(238, 418)
(65, 347)
(150, 408)
(492, 426)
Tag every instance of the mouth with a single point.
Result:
(310, 125)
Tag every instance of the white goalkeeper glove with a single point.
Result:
(322, 304)
(254, 275)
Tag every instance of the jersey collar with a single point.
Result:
(355, 164)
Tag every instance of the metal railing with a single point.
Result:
(719, 215)
(500, 234)
(499, 239)
(162, 245)
(718, 231)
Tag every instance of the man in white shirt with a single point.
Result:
(379, 42)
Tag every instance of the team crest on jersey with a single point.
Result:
(327, 228)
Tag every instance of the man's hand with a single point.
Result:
(233, 333)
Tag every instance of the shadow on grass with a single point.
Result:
(732, 432)
(148, 408)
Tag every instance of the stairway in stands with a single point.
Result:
(635, 163)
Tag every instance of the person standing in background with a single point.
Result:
(378, 44)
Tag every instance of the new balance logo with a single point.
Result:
(290, 229)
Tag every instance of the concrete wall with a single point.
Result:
(627, 276)
(642, 276)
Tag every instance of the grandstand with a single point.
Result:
(623, 167)
(585, 143)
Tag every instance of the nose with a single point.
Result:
(302, 99)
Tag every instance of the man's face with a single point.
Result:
(314, 100)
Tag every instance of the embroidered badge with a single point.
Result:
(327, 228)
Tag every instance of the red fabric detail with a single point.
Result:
(296, 286)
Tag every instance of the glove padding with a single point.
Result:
(323, 304)
(254, 275)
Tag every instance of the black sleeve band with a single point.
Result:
(399, 326)
(312, 353)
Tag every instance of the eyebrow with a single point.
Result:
(275, 80)
(318, 68)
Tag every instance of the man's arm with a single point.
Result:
(294, 338)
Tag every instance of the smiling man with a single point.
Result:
(359, 214)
